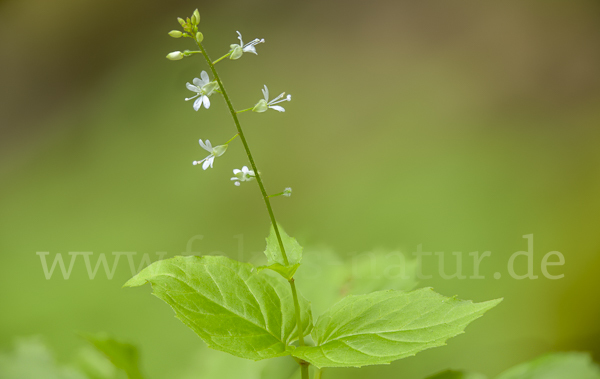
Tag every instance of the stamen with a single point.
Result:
(277, 98)
(277, 101)
(198, 162)
(254, 42)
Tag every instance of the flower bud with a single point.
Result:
(175, 33)
(175, 56)
(188, 25)
(261, 106)
(181, 21)
(196, 17)
(199, 37)
(236, 52)
(287, 192)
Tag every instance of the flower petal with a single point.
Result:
(240, 38)
(206, 102)
(266, 93)
(250, 49)
(197, 82)
(198, 103)
(204, 77)
(277, 108)
(192, 88)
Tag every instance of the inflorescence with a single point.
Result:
(204, 87)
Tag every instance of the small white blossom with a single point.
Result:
(264, 104)
(287, 192)
(214, 152)
(243, 175)
(238, 50)
(203, 88)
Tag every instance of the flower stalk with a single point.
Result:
(286, 192)
(303, 365)
(223, 57)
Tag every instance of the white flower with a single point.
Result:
(203, 88)
(287, 192)
(243, 175)
(238, 50)
(214, 152)
(264, 104)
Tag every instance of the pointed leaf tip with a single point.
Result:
(292, 247)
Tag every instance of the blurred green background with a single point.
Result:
(461, 126)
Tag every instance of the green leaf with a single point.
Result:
(555, 366)
(325, 278)
(451, 374)
(229, 304)
(122, 355)
(293, 251)
(381, 327)
(286, 271)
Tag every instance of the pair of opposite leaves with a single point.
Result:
(250, 313)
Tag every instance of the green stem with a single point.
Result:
(304, 370)
(265, 198)
(232, 138)
(245, 110)
(220, 59)
(277, 194)
(248, 153)
(297, 308)
(303, 364)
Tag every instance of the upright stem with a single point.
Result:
(247, 148)
(303, 365)
(304, 369)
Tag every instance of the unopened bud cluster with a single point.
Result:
(190, 29)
